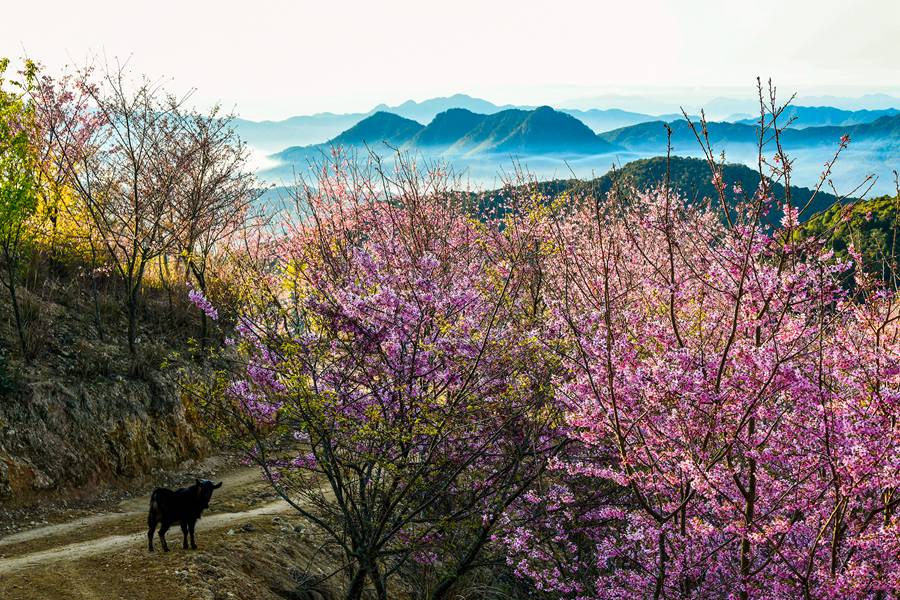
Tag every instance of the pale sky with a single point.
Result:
(273, 59)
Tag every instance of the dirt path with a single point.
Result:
(104, 555)
(133, 510)
(115, 542)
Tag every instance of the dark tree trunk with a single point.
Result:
(95, 294)
(132, 319)
(357, 585)
(379, 583)
(446, 584)
(134, 295)
(8, 256)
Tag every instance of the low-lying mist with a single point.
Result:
(489, 171)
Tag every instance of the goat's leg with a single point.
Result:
(184, 534)
(151, 524)
(162, 535)
(191, 528)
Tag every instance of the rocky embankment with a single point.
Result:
(61, 436)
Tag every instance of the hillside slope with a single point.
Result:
(871, 226)
(83, 415)
(688, 176)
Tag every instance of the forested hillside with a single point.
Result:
(117, 202)
(690, 177)
(867, 231)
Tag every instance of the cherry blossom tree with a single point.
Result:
(215, 197)
(403, 362)
(732, 408)
(126, 173)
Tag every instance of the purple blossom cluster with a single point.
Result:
(202, 302)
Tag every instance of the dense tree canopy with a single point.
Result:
(867, 229)
(645, 398)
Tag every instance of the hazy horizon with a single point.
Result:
(646, 100)
(282, 59)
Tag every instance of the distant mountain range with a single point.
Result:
(819, 116)
(271, 136)
(425, 111)
(462, 132)
(883, 131)
(544, 131)
(480, 140)
(865, 102)
(512, 131)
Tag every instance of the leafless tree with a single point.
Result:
(216, 194)
(129, 179)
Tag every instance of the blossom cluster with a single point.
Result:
(199, 300)
(691, 407)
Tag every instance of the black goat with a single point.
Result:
(181, 506)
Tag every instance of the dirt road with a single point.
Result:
(104, 555)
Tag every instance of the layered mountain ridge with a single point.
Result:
(274, 135)
(546, 131)
(460, 131)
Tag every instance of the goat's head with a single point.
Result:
(205, 489)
